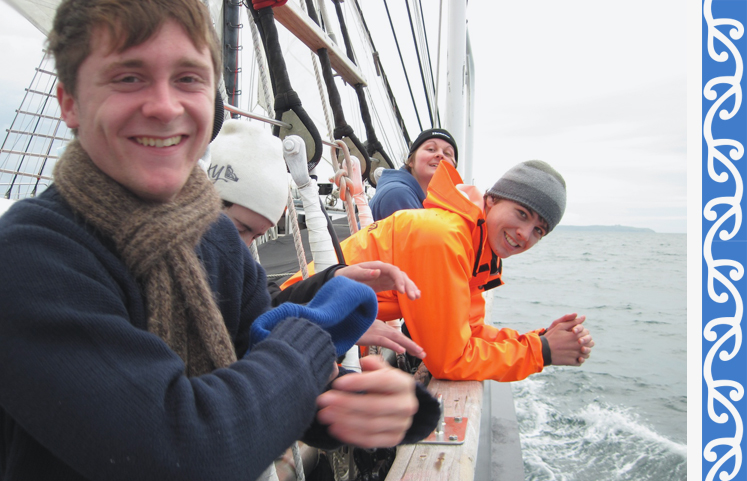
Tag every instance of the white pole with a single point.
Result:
(469, 176)
(455, 73)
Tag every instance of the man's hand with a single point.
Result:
(381, 276)
(570, 342)
(384, 335)
(371, 409)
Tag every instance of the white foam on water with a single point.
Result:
(606, 421)
(559, 443)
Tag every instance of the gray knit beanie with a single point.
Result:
(536, 185)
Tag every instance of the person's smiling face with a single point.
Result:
(144, 115)
(428, 156)
(512, 228)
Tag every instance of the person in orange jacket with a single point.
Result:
(452, 250)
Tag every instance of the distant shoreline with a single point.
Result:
(604, 228)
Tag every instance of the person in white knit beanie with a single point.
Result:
(248, 171)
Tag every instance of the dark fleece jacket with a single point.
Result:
(396, 190)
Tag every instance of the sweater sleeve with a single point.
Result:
(108, 400)
(448, 321)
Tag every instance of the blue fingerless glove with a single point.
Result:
(342, 307)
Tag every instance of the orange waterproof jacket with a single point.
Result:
(444, 250)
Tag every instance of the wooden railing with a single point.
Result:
(491, 449)
(447, 462)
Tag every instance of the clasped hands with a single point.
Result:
(570, 342)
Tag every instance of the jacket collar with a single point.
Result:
(444, 193)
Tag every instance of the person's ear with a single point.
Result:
(68, 107)
(489, 202)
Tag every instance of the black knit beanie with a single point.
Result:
(536, 185)
(435, 134)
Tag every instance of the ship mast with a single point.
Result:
(456, 73)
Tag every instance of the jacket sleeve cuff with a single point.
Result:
(546, 353)
(329, 272)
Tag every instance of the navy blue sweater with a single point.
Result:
(87, 393)
(396, 190)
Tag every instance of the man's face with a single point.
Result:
(144, 115)
(512, 228)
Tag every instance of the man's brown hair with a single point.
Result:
(129, 23)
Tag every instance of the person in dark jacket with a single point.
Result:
(130, 306)
(405, 188)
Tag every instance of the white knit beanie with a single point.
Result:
(248, 169)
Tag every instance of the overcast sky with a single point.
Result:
(597, 89)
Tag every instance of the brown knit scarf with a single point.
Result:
(157, 243)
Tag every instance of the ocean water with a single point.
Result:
(623, 414)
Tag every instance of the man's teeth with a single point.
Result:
(510, 242)
(151, 142)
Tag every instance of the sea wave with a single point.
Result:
(594, 442)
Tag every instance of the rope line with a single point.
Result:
(286, 99)
(372, 144)
(320, 86)
(420, 63)
(259, 56)
(300, 254)
(342, 128)
(407, 77)
(298, 461)
(429, 66)
(346, 184)
(382, 74)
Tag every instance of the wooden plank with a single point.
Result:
(437, 462)
(440, 462)
(303, 28)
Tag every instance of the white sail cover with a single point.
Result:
(41, 12)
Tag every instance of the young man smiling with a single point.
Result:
(128, 299)
(452, 250)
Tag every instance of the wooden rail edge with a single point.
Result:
(439, 461)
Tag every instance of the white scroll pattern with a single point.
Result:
(721, 290)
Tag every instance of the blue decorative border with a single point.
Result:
(724, 239)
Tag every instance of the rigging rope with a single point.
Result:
(407, 77)
(300, 253)
(287, 104)
(348, 179)
(372, 144)
(320, 87)
(420, 63)
(259, 56)
(438, 48)
(342, 130)
(427, 50)
(382, 74)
